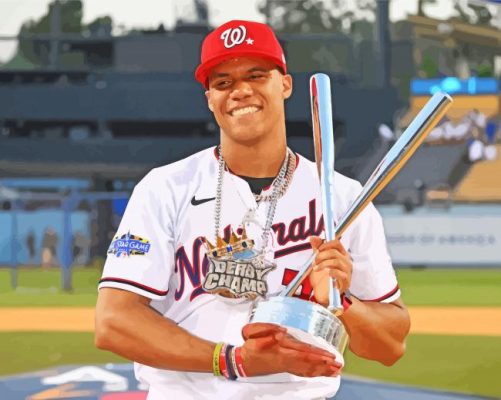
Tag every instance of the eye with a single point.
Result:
(222, 84)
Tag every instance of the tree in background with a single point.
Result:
(308, 16)
(348, 47)
(319, 16)
(477, 62)
(35, 52)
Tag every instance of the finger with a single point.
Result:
(333, 244)
(260, 329)
(318, 276)
(290, 343)
(292, 359)
(335, 372)
(315, 242)
(321, 360)
(263, 343)
(309, 365)
(334, 268)
(330, 268)
(341, 264)
(328, 264)
(323, 370)
(329, 254)
(342, 281)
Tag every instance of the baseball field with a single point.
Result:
(455, 341)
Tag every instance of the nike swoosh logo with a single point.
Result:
(197, 202)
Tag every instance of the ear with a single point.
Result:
(286, 86)
(209, 103)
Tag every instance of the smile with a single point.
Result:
(244, 111)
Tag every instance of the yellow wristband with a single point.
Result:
(216, 368)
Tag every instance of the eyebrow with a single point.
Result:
(254, 69)
(259, 69)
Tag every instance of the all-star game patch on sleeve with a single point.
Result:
(140, 257)
(129, 245)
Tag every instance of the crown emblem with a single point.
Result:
(224, 249)
(235, 269)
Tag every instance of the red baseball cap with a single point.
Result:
(236, 39)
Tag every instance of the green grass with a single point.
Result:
(450, 287)
(39, 287)
(424, 287)
(456, 363)
(32, 351)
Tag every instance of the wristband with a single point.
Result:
(346, 300)
(222, 361)
(238, 360)
(230, 363)
(216, 368)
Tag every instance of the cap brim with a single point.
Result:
(203, 70)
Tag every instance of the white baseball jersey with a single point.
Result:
(158, 253)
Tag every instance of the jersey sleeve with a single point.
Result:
(140, 257)
(373, 277)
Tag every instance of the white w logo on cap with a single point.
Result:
(234, 36)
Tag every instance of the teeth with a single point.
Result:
(245, 110)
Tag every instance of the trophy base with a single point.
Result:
(302, 315)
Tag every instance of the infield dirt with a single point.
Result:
(472, 321)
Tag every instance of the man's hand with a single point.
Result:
(268, 349)
(332, 260)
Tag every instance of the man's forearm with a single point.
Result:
(140, 334)
(377, 330)
(128, 326)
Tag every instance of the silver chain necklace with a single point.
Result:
(280, 185)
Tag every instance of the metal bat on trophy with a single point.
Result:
(307, 316)
(389, 166)
(323, 140)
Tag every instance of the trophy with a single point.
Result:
(306, 320)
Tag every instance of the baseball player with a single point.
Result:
(203, 237)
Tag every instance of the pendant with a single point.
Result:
(236, 268)
(251, 217)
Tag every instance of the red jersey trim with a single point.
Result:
(135, 284)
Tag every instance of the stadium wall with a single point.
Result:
(466, 235)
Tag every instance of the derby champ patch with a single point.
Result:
(235, 269)
(129, 245)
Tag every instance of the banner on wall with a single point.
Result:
(444, 239)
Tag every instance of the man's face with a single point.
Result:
(247, 97)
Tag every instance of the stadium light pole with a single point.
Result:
(383, 43)
(14, 264)
(68, 205)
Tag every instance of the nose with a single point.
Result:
(241, 90)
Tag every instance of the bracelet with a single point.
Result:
(232, 368)
(238, 361)
(346, 300)
(223, 366)
(216, 367)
